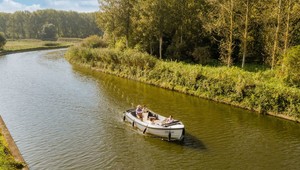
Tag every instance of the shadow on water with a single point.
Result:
(189, 142)
(193, 142)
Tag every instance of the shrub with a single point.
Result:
(121, 44)
(291, 67)
(49, 32)
(2, 40)
(94, 41)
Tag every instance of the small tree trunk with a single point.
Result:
(230, 35)
(276, 36)
(286, 37)
(181, 38)
(126, 41)
(150, 45)
(245, 35)
(160, 46)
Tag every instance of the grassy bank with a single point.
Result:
(21, 45)
(259, 91)
(6, 159)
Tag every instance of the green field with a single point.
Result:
(34, 44)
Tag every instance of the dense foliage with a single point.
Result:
(24, 24)
(233, 32)
(48, 32)
(94, 41)
(260, 91)
(291, 66)
(2, 40)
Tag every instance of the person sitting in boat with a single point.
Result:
(139, 112)
(145, 110)
(169, 119)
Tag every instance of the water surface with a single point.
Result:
(71, 118)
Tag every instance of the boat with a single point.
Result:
(154, 124)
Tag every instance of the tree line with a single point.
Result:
(25, 24)
(230, 31)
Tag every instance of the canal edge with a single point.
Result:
(11, 144)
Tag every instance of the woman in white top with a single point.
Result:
(139, 112)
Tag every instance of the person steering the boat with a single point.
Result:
(139, 112)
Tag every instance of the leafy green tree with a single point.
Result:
(291, 11)
(275, 46)
(107, 19)
(115, 18)
(233, 31)
(3, 20)
(2, 40)
(154, 21)
(220, 22)
(291, 67)
(24, 24)
(48, 32)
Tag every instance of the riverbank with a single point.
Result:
(258, 91)
(23, 45)
(10, 156)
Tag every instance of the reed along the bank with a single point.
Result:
(261, 91)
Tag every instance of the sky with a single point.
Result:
(11, 6)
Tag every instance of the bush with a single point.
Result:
(121, 44)
(291, 67)
(94, 41)
(2, 40)
(48, 32)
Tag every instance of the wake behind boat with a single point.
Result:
(155, 124)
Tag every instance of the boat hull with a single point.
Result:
(173, 132)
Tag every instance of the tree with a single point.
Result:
(219, 21)
(245, 35)
(154, 21)
(24, 24)
(107, 19)
(115, 17)
(291, 13)
(274, 51)
(291, 67)
(3, 20)
(187, 36)
(2, 40)
(48, 32)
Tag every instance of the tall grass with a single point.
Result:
(261, 91)
(6, 159)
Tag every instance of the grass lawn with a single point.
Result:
(32, 44)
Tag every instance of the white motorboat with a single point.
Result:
(155, 124)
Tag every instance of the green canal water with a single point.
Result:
(63, 117)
